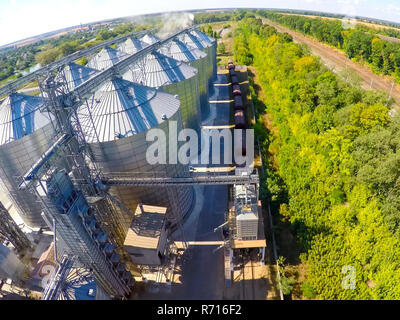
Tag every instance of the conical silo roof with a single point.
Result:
(106, 58)
(20, 115)
(122, 108)
(149, 39)
(76, 74)
(182, 52)
(200, 39)
(132, 45)
(157, 70)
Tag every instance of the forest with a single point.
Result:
(332, 154)
(360, 43)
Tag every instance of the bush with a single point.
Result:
(308, 290)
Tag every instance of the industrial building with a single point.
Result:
(146, 241)
(73, 161)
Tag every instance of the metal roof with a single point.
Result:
(149, 39)
(122, 108)
(132, 45)
(182, 52)
(20, 116)
(156, 70)
(146, 227)
(76, 74)
(200, 38)
(106, 58)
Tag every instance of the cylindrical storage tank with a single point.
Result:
(74, 75)
(196, 58)
(132, 45)
(156, 70)
(209, 45)
(106, 58)
(25, 135)
(238, 103)
(149, 39)
(116, 125)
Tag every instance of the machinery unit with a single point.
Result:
(115, 127)
(78, 229)
(246, 212)
(106, 58)
(10, 230)
(132, 45)
(197, 59)
(157, 70)
(26, 132)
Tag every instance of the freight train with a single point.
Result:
(239, 108)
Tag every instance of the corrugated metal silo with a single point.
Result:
(195, 58)
(156, 70)
(74, 75)
(25, 134)
(116, 125)
(106, 58)
(132, 45)
(203, 42)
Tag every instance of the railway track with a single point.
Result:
(248, 287)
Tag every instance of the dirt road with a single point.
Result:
(337, 61)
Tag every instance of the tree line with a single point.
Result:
(360, 43)
(332, 156)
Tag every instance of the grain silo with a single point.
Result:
(74, 75)
(196, 58)
(156, 70)
(26, 132)
(115, 126)
(106, 58)
(149, 39)
(132, 45)
(203, 42)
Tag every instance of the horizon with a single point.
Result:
(103, 10)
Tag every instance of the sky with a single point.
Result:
(21, 19)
